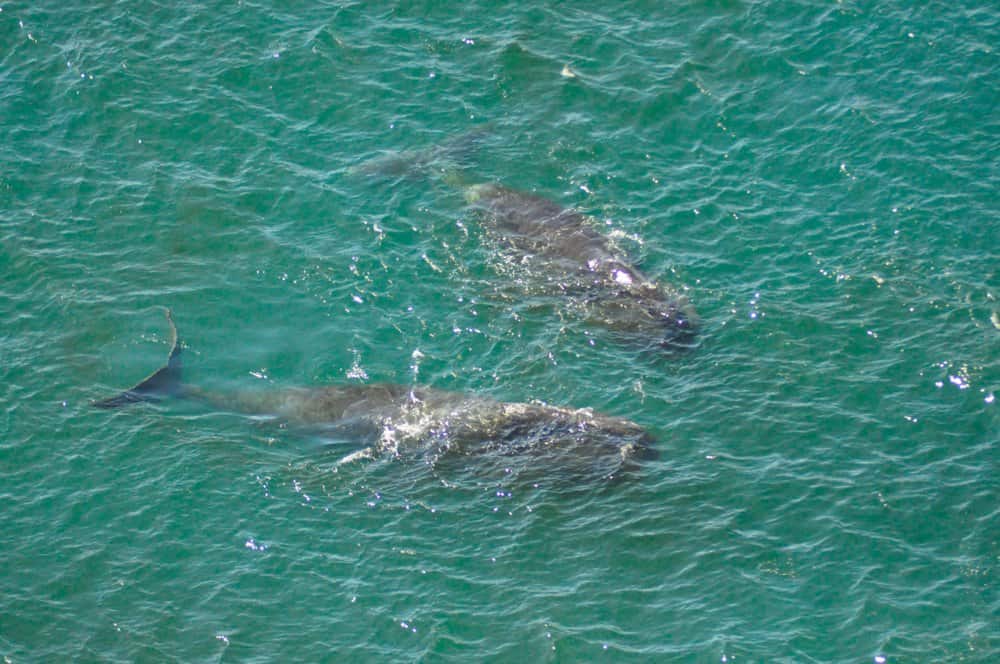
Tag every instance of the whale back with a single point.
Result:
(564, 248)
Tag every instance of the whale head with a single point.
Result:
(649, 316)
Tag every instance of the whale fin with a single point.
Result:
(165, 381)
(358, 455)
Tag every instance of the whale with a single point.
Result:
(563, 249)
(387, 420)
(555, 251)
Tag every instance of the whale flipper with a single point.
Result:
(165, 381)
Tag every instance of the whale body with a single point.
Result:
(584, 265)
(560, 250)
(417, 421)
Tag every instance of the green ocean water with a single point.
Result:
(820, 178)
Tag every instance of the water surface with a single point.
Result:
(819, 178)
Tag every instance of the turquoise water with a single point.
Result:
(820, 178)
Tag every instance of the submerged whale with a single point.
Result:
(584, 265)
(437, 426)
(560, 251)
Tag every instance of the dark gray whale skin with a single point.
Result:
(560, 248)
(566, 247)
(401, 420)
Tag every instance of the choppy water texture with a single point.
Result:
(818, 178)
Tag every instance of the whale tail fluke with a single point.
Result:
(442, 161)
(164, 382)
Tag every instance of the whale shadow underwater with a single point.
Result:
(557, 251)
(444, 429)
